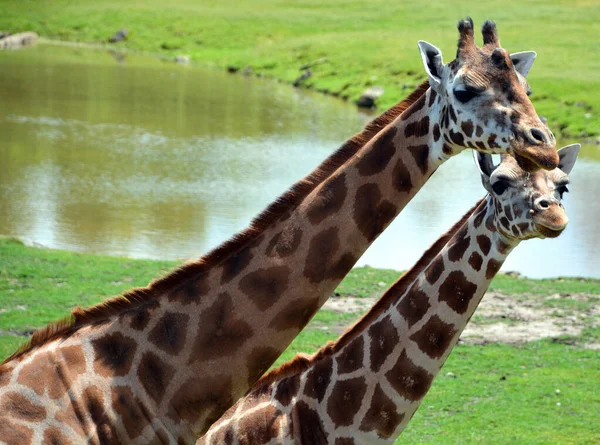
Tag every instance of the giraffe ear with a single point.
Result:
(523, 61)
(432, 60)
(567, 157)
(485, 165)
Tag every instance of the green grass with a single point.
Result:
(494, 394)
(363, 43)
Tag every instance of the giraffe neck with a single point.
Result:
(184, 358)
(367, 390)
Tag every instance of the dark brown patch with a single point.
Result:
(259, 360)
(93, 401)
(307, 425)
(447, 149)
(467, 128)
(518, 209)
(287, 389)
(328, 200)
(351, 357)
(201, 397)
(260, 427)
(524, 226)
(344, 441)
(515, 230)
(235, 264)
(434, 337)
(53, 436)
(436, 132)
(372, 215)
(504, 222)
(501, 246)
(295, 315)
(475, 261)
(421, 155)
(14, 434)
(401, 177)
(452, 113)
(382, 416)
(264, 287)
(508, 211)
(434, 270)
(345, 400)
(458, 249)
(484, 243)
(191, 290)
(18, 406)
(417, 129)
(154, 375)
(170, 332)
(321, 250)
(113, 354)
(432, 96)
(139, 318)
(377, 157)
(284, 243)
(479, 217)
(384, 338)
(318, 378)
(221, 333)
(457, 291)
(492, 141)
(457, 138)
(492, 269)
(414, 108)
(409, 380)
(414, 305)
(130, 410)
(478, 131)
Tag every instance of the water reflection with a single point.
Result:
(149, 159)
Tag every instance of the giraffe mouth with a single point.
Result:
(547, 232)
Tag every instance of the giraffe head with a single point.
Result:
(527, 205)
(483, 99)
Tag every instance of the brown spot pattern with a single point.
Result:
(318, 378)
(372, 215)
(436, 132)
(295, 315)
(382, 416)
(484, 243)
(414, 108)
(434, 337)
(409, 380)
(345, 400)
(460, 246)
(479, 217)
(235, 264)
(434, 270)
(414, 305)
(401, 177)
(53, 436)
(130, 410)
(351, 356)
(22, 408)
(259, 428)
(191, 290)
(287, 389)
(432, 96)
(492, 269)
(113, 354)
(457, 291)
(139, 318)
(307, 425)
(264, 287)
(417, 129)
(421, 155)
(478, 131)
(344, 441)
(475, 261)
(221, 332)
(322, 249)
(384, 338)
(457, 138)
(170, 332)
(93, 400)
(259, 360)
(329, 199)
(155, 375)
(201, 397)
(284, 243)
(467, 128)
(14, 434)
(377, 158)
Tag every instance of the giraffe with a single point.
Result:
(160, 364)
(365, 387)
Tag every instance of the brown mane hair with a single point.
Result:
(145, 296)
(301, 362)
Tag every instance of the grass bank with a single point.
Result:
(357, 44)
(493, 394)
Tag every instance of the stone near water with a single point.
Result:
(368, 98)
(19, 40)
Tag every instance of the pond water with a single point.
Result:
(133, 156)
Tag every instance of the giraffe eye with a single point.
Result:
(465, 96)
(499, 187)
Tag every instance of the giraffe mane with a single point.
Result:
(142, 296)
(302, 362)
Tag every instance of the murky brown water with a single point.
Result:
(128, 155)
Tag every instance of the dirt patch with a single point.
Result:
(510, 319)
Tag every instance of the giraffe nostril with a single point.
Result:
(538, 135)
(543, 204)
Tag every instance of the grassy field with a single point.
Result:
(359, 43)
(493, 394)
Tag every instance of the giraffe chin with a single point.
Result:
(547, 232)
(532, 162)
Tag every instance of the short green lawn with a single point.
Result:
(493, 394)
(358, 44)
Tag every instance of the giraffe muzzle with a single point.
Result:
(549, 217)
